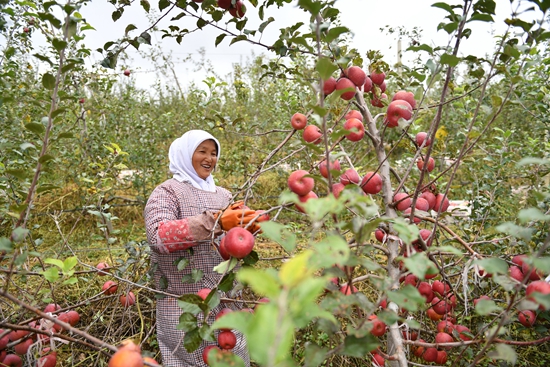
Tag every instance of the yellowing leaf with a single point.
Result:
(441, 133)
(296, 270)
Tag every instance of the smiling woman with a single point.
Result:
(187, 211)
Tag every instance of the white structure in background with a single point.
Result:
(127, 174)
(460, 208)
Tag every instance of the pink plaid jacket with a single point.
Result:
(179, 216)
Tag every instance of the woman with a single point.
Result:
(182, 213)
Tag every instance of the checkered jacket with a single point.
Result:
(185, 216)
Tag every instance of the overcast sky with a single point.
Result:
(363, 17)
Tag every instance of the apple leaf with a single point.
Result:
(420, 265)
(55, 262)
(359, 347)
(407, 232)
(187, 322)
(444, 6)
(314, 355)
(335, 32)
(314, 7)
(5, 244)
(450, 60)
(48, 81)
(485, 306)
(181, 263)
(280, 234)
(296, 269)
(51, 274)
(261, 281)
(192, 340)
(226, 283)
(233, 320)
(503, 352)
(226, 266)
(407, 297)
(541, 299)
(516, 231)
(331, 250)
(325, 67)
(493, 265)
(213, 299)
(532, 214)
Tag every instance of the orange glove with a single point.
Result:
(236, 215)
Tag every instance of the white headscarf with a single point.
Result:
(181, 163)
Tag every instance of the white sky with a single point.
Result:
(363, 17)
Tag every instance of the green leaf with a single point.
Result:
(59, 44)
(51, 274)
(201, 23)
(191, 303)
(314, 355)
(280, 234)
(532, 214)
(262, 26)
(532, 160)
(238, 38)
(46, 158)
(163, 4)
(219, 39)
(227, 281)
(145, 4)
(503, 352)
(359, 347)
(325, 67)
(516, 231)
(55, 262)
(263, 282)
(493, 265)
(43, 58)
(407, 232)
(70, 281)
(422, 47)
(16, 172)
(187, 322)
(194, 277)
(192, 340)
(226, 266)
(117, 14)
(48, 81)
(181, 263)
(129, 28)
(450, 60)
(407, 297)
(6, 244)
(481, 18)
(213, 299)
(335, 32)
(314, 7)
(419, 264)
(444, 6)
(331, 250)
(35, 127)
(485, 306)
(69, 264)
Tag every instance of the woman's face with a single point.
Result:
(205, 158)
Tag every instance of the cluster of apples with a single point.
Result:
(129, 355)
(111, 287)
(235, 8)
(24, 339)
(355, 77)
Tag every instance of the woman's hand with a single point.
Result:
(237, 215)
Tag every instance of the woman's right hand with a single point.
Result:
(236, 215)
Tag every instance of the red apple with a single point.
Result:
(461, 330)
(345, 83)
(334, 166)
(149, 359)
(383, 87)
(425, 234)
(440, 288)
(378, 326)
(81, 100)
(527, 318)
(371, 183)
(347, 290)
(203, 293)
(411, 279)
(402, 201)
(425, 289)
(518, 260)
(329, 86)
(354, 114)
(206, 350)
(17, 334)
(430, 355)
(103, 267)
(298, 121)
(126, 72)
(538, 286)
(299, 184)
(422, 138)
(378, 360)
(23, 346)
(430, 167)
(515, 273)
(440, 306)
(429, 197)
(443, 338)
(312, 134)
(378, 101)
(222, 250)
(397, 110)
(264, 217)
(239, 242)
(445, 326)
(367, 87)
(350, 176)
(4, 341)
(356, 75)
(337, 189)
(422, 204)
(304, 199)
(407, 214)
(238, 10)
(356, 128)
(224, 4)
(129, 299)
(441, 358)
(52, 307)
(12, 360)
(64, 318)
(441, 201)
(377, 77)
(49, 360)
(109, 287)
(380, 235)
(227, 340)
(418, 350)
(532, 272)
(405, 96)
(74, 317)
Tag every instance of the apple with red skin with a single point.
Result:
(127, 72)
(227, 340)
(64, 318)
(538, 286)
(299, 184)
(126, 357)
(17, 335)
(397, 110)
(260, 301)
(222, 250)
(312, 134)
(356, 128)
(425, 234)
(407, 214)
(378, 101)
(527, 318)
(422, 204)
(224, 4)
(337, 189)
(329, 86)
(23, 346)
(129, 299)
(206, 350)
(238, 10)
(264, 217)
(445, 326)
(441, 358)
(515, 273)
(367, 86)
(26, 29)
(12, 360)
(347, 290)
(429, 197)
(425, 289)
(518, 260)
(383, 87)
(411, 279)
(440, 288)
(378, 360)
(223, 311)
(356, 75)
(378, 326)
(419, 350)
(103, 268)
(81, 100)
(532, 272)
(345, 83)
(377, 77)
(405, 96)
(239, 242)
(49, 360)
(429, 167)
(422, 138)
(4, 341)
(350, 176)
(483, 297)
(371, 183)
(461, 330)
(440, 306)
(52, 307)
(380, 235)
(74, 317)
(443, 338)
(304, 199)
(354, 114)
(298, 121)
(409, 334)
(402, 201)
(203, 293)
(430, 354)
(323, 169)
(443, 201)
(109, 287)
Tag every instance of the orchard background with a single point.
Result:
(80, 153)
